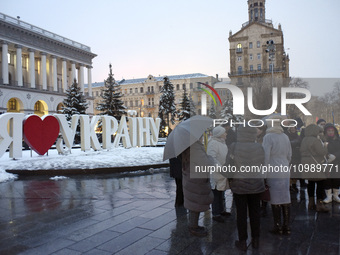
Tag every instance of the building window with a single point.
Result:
(183, 86)
(258, 55)
(251, 68)
(191, 85)
(130, 90)
(239, 48)
(136, 90)
(153, 101)
(141, 89)
(250, 45)
(259, 67)
(152, 89)
(177, 87)
(250, 56)
(149, 101)
(239, 58)
(239, 69)
(258, 44)
(136, 102)
(148, 89)
(131, 103)
(12, 104)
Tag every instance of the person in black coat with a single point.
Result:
(176, 173)
(332, 184)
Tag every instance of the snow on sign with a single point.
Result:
(40, 134)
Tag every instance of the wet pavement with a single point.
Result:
(134, 214)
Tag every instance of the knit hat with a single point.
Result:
(319, 121)
(218, 131)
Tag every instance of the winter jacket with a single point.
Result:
(278, 152)
(295, 142)
(196, 186)
(176, 167)
(218, 150)
(247, 153)
(333, 143)
(312, 152)
(312, 146)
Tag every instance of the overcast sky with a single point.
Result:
(142, 37)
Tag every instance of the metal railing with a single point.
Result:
(41, 31)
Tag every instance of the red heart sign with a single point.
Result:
(40, 134)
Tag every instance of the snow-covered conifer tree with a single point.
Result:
(167, 107)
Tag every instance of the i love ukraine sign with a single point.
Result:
(41, 133)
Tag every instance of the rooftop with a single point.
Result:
(38, 30)
(159, 78)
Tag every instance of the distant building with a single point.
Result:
(37, 66)
(250, 55)
(142, 95)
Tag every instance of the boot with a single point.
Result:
(320, 207)
(336, 195)
(194, 229)
(328, 198)
(277, 229)
(286, 219)
(241, 245)
(311, 203)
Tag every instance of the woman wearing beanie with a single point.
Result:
(332, 184)
(278, 153)
(218, 150)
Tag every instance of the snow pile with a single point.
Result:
(6, 176)
(57, 178)
(116, 157)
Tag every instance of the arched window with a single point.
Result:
(12, 105)
(239, 48)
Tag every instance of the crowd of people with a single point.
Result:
(272, 145)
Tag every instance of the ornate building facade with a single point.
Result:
(37, 66)
(142, 95)
(257, 50)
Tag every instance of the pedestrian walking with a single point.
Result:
(218, 150)
(278, 153)
(247, 186)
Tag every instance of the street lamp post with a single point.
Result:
(271, 50)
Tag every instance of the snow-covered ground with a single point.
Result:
(116, 157)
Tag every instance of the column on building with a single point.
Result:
(4, 63)
(43, 70)
(81, 78)
(31, 68)
(73, 72)
(64, 74)
(54, 73)
(18, 65)
(89, 80)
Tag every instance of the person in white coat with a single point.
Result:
(218, 150)
(278, 153)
